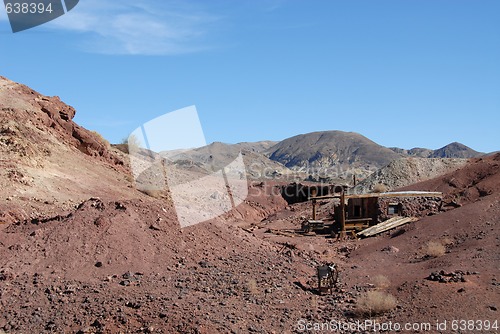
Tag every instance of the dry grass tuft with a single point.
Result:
(447, 241)
(152, 192)
(434, 249)
(132, 143)
(129, 178)
(252, 286)
(381, 282)
(375, 302)
(101, 139)
(379, 188)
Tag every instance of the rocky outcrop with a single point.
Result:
(26, 115)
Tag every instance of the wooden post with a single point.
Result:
(312, 193)
(342, 215)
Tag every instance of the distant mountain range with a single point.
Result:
(453, 150)
(218, 155)
(329, 148)
(324, 153)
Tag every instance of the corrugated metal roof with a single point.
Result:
(398, 194)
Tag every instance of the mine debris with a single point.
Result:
(360, 212)
(312, 225)
(327, 277)
(386, 226)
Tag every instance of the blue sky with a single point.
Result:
(403, 73)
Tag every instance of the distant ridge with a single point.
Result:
(453, 150)
(331, 148)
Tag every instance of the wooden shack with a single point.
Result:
(377, 207)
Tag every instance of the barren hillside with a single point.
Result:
(453, 150)
(330, 148)
(476, 180)
(404, 172)
(218, 155)
(48, 162)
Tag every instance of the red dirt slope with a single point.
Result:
(477, 179)
(48, 163)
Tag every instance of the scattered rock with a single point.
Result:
(443, 277)
(133, 305)
(390, 249)
(120, 206)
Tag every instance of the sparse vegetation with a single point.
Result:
(434, 249)
(446, 241)
(132, 142)
(252, 286)
(375, 302)
(129, 178)
(101, 138)
(379, 188)
(381, 282)
(155, 193)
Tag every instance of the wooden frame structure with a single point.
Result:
(367, 215)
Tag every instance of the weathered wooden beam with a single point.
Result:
(386, 226)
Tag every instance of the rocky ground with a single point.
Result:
(83, 251)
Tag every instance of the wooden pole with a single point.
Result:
(342, 215)
(313, 193)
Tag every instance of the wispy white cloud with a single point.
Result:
(137, 27)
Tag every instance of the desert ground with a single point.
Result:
(83, 250)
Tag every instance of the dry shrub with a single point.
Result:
(129, 178)
(132, 143)
(375, 302)
(379, 188)
(252, 286)
(447, 241)
(152, 192)
(434, 249)
(381, 282)
(101, 139)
